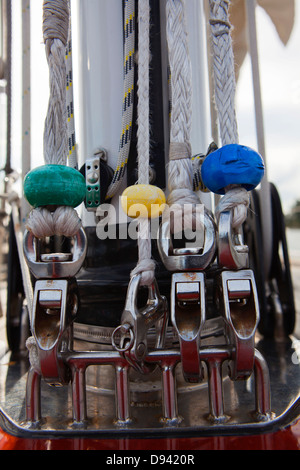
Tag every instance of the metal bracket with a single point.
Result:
(55, 265)
(188, 259)
(93, 183)
(55, 305)
(241, 314)
(188, 318)
(232, 252)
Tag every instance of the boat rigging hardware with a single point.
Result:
(55, 305)
(54, 265)
(232, 252)
(188, 258)
(130, 338)
(166, 360)
(92, 178)
(98, 176)
(188, 318)
(59, 363)
(241, 315)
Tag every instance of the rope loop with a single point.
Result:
(223, 70)
(238, 200)
(63, 221)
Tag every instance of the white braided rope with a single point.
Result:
(146, 265)
(224, 75)
(33, 354)
(225, 92)
(56, 20)
(236, 199)
(143, 132)
(56, 32)
(180, 168)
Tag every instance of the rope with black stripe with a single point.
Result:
(72, 155)
(128, 97)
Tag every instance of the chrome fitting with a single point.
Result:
(54, 265)
(241, 314)
(130, 338)
(232, 252)
(188, 318)
(55, 305)
(188, 259)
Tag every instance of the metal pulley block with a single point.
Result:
(55, 305)
(130, 338)
(232, 252)
(188, 258)
(188, 318)
(54, 265)
(98, 176)
(241, 314)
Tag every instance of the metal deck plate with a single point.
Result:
(283, 359)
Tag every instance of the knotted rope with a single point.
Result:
(225, 92)
(180, 168)
(146, 265)
(56, 20)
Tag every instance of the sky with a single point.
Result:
(280, 84)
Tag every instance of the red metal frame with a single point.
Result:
(286, 439)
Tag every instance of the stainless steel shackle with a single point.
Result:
(130, 338)
(188, 258)
(54, 265)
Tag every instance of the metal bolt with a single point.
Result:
(93, 178)
(141, 349)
